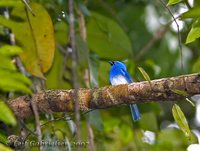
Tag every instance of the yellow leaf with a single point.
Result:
(35, 34)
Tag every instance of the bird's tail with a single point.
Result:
(135, 112)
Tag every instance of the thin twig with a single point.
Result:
(37, 122)
(187, 4)
(74, 69)
(179, 36)
(83, 34)
(28, 7)
(33, 104)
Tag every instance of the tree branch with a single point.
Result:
(63, 100)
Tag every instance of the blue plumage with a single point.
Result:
(119, 75)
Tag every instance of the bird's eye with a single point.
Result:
(111, 63)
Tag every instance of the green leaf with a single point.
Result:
(172, 2)
(4, 148)
(54, 78)
(6, 114)
(8, 50)
(103, 68)
(107, 38)
(14, 81)
(192, 13)
(6, 63)
(180, 92)
(145, 75)
(194, 32)
(36, 36)
(10, 3)
(190, 101)
(196, 66)
(3, 138)
(181, 120)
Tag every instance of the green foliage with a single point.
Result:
(3, 138)
(61, 33)
(171, 139)
(107, 38)
(6, 114)
(149, 118)
(115, 31)
(10, 3)
(11, 79)
(38, 40)
(180, 92)
(171, 2)
(192, 13)
(181, 120)
(194, 32)
(4, 148)
(145, 75)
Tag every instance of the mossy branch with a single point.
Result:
(140, 92)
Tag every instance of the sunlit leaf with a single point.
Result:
(36, 36)
(10, 3)
(4, 148)
(8, 50)
(180, 92)
(191, 13)
(6, 63)
(181, 120)
(171, 2)
(194, 32)
(145, 75)
(107, 39)
(6, 114)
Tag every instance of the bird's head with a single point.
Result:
(117, 64)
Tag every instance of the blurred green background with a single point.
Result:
(138, 32)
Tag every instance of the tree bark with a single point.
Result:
(166, 89)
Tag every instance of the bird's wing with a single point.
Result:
(127, 76)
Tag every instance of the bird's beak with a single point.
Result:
(111, 63)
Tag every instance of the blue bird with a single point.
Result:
(119, 75)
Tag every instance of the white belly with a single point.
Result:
(118, 80)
